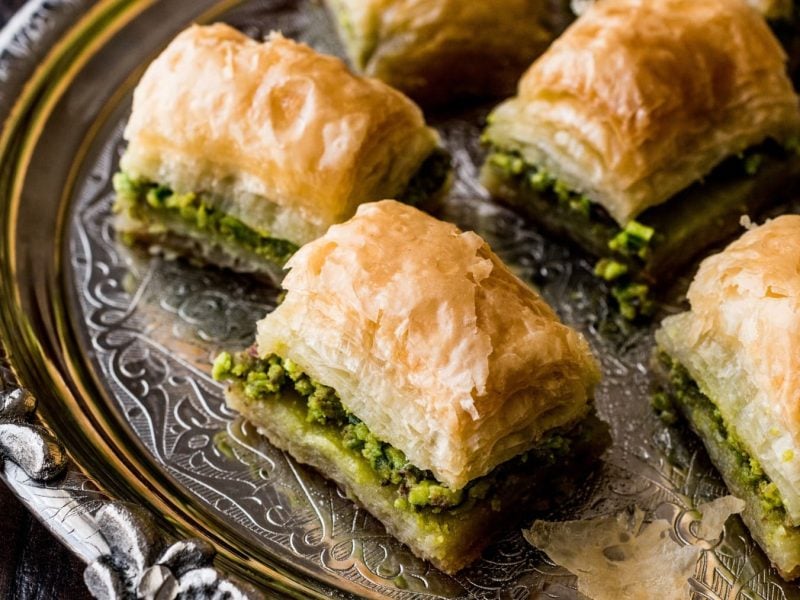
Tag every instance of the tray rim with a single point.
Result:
(31, 44)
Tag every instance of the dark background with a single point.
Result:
(33, 564)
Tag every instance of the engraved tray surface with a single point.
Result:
(117, 348)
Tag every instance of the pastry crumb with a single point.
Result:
(623, 556)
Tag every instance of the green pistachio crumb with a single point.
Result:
(430, 493)
(664, 408)
(540, 180)
(562, 191)
(155, 197)
(401, 503)
(259, 383)
(581, 205)
(633, 240)
(141, 200)
(753, 163)
(222, 366)
(510, 164)
(770, 496)
(179, 200)
(610, 269)
(125, 185)
(633, 300)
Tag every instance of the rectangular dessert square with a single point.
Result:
(646, 131)
(440, 51)
(734, 364)
(410, 366)
(239, 152)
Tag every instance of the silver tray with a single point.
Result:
(116, 350)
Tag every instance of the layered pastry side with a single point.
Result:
(239, 152)
(645, 132)
(732, 365)
(440, 51)
(411, 367)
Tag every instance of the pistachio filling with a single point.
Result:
(429, 179)
(632, 241)
(513, 166)
(140, 198)
(748, 471)
(417, 489)
(628, 248)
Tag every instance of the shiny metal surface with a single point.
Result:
(116, 348)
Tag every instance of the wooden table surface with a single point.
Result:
(33, 564)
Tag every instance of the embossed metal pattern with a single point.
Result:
(117, 347)
(139, 566)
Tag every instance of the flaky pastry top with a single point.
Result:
(430, 340)
(440, 49)
(741, 342)
(749, 297)
(220, 112)
(640, 99)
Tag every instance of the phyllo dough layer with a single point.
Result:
(639, 99)
(279, 137)
(765, 513)
(436, 50)
(449, 537)
(430, 340)
(740, 342)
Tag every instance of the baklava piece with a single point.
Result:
(440, 51)
(646, 131)
(239, 152)
(734, 372)
(411, 367)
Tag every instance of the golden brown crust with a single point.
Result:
(437, 50)
(750, 295)
(430, 340)
(741, 343)
(290, 137)
(638, 99)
